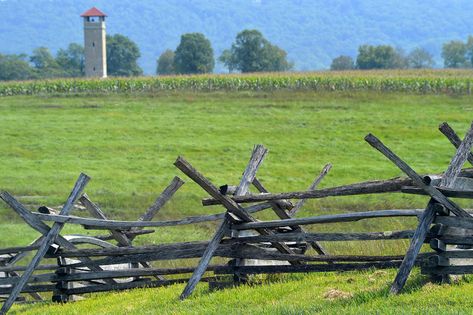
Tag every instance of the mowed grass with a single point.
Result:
(127, 144)
(326, 293)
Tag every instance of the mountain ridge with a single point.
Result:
(312, 32)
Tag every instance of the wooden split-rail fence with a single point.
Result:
(66, 266)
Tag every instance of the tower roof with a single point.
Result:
(93, 12)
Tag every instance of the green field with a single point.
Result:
(127, 144)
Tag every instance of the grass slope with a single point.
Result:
(127, 143)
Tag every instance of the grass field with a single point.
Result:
(348, 293)
(127, 144)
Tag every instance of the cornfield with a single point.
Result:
(413, 81)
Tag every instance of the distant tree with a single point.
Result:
(420, 58)
(380, 57)
(15, 67)
(122, 56)
(194, 55)
(226, 59)
(276, 59)
(454, 54)
(42, 58)
(166, 63)
(469, 50)
(342, 63)
(72, 60)
(401, 61)
(251, 52)
(45, 65)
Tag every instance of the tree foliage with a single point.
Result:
(72, 60)
(45, 65)
(15, 67)
(122, 56)
(420, 58)
(342, 63)
(43, 59)
(194, 55)
(166, 63)
(380, 57)
(454, 54)
(251, 52)
(469, 50)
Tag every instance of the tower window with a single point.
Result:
(93, 44)
(94, 68)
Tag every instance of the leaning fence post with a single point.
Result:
(282, 214)
(453, 138)
(312, 186)
(429, 214)
(48, 240)
(259, 152)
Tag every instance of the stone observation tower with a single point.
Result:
(95, 48)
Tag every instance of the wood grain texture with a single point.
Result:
(418, 180)
(90, 223)
(429, 214)
(96, 212)
(451, 270)
(128, 234)
(279, 210)
(462, 154)
(465, 223)
(257, 157)
(368, 187)
(309, 268)
(18, 249)
(249, 174)
(447, 192)
(42, 228)
(180, 250)
(119, 236)
(312, 186)
(334, 218)
(131, 285)
(162, 199)
(453, 138)
(48, 240)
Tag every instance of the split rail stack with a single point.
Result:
(71, 265)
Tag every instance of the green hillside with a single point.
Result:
(313, 32)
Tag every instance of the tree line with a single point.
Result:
(122, 56)
(250, 52)
(455, 54)
(384, 57)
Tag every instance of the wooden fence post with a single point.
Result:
(48, 240)
(259, 152)
(429, 214)
(60, 294)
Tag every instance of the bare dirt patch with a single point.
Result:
(334, 294)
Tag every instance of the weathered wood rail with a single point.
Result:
(112, 262)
